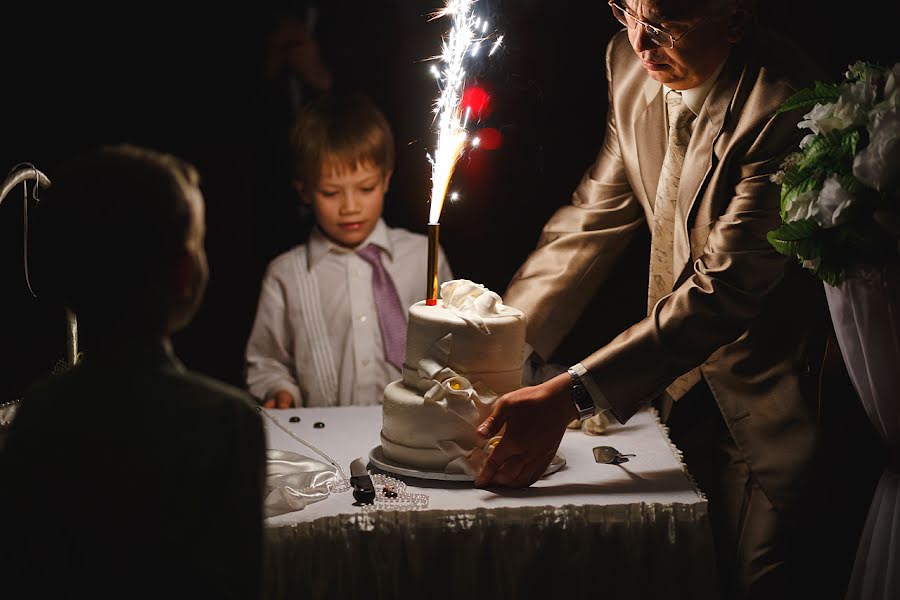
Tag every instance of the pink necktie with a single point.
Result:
(391, 316)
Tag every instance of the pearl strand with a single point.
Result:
(403, 501)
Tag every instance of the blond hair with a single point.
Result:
(340, 132)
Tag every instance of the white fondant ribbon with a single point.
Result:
(469, 401)
(440, 383)
(467, 461)
(459, 396)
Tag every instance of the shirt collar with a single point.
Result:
(319, 245)
(696, 96)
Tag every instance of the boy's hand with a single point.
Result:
(279, 399)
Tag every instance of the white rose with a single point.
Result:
(833, 200)
(892, 85)
(890, 103)
(821, 114)
(798, 207)
(849, 110)
(891, 97)
(856, 99)
(878, 164)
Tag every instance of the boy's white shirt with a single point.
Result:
(279, 354)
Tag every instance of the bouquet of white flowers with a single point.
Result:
(839, 206)
(847, 170)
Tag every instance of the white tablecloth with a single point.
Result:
(639, 529)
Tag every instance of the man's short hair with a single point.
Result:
(340, 131)
(114, 223)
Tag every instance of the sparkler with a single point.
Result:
(465, 38)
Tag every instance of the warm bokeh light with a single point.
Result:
(489, 138)
(476, 100)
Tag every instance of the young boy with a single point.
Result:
(154, 473)
(330, 327)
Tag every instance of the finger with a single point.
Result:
(486, 477)
(285, 401)
(499, 455)
(495, 421)
(537, 470)
(510, 474)
(532, 474)
(270, 403)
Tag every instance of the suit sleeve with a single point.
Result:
(732, 278)
(269, 356)
(578, 246)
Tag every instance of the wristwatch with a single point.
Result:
(584, 404)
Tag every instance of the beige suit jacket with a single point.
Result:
(745, 314)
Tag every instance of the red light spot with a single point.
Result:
(478, 100)
(490, 138)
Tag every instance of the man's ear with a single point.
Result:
(387, 180)
(301, 191)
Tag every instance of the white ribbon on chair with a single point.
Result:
(865, 310)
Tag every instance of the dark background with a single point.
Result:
(188, 81)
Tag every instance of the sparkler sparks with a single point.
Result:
(464, 39)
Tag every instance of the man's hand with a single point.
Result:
(535, 419)
(279, 399)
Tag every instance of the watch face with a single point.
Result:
(584, 404)
(582, 398)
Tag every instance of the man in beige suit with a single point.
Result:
(692, 139)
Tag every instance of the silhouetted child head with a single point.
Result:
(123, 241)
(343, 152)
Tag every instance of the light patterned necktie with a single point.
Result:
(662, 277)
(391, 316)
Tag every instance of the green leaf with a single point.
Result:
(795, 178)
(794, 184)
(821, 93)
(797, 238)
(850, 143)
(832, 275)
(824, 146)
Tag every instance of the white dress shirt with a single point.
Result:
(280, 351)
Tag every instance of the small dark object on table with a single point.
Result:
(363, 487)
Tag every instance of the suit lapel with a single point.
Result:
(700, 161)
(649, 133)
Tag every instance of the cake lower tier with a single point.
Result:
(431, 435)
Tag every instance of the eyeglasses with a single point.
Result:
(658, 36)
